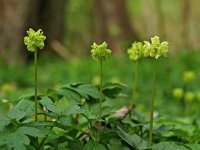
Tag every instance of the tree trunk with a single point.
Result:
(16, 16)
(115, 27)
(186, 13)
(12, 18)
(160, 19)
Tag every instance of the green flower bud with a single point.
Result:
(189, 76)
(100, 52)
(155, 48)
(178, 93)
(34, 40)
(136, 51)
(189, 96)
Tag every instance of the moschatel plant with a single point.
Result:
(73, 120)
(135, 53)
(154, 49)
(33, 41)
(186, 93)
(100, 53)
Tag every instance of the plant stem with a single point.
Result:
(42, 142)
(101, 93)
(152, 102)
(36, 101)
(134, 88)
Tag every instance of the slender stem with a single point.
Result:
(152, 103)
(134, 88)
(42, 142)
(101, 93)
(36, 101)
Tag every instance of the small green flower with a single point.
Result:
(100, 52)
(34, 40)
(189, 96)
(178, 93)
(155, 48)
(136, 51)
(189, 76)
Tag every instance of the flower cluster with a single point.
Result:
(136, 51)
(178, 93)
(187, 93)
(100, 52)
(188, 96)
(34, 40)
(155, 49)
(189, 76)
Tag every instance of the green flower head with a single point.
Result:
(189, 96)
(34, 40)
(100, 52)
(155, 48)
(189, 76)
(136, 51)
(178, 93)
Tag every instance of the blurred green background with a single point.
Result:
(71, 26)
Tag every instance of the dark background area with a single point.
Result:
(72, 26)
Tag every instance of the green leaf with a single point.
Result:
(133, 140)
(19, 139)
(195, 138)
(76, 145)
(69, 94)
(112, 90)
(131, 123)
(194, 146)
(168, 146)
(52, 94)
(115, 144)
(4, 121)
(91, 145)
(26, 96)
(74, 109)
(48, 103)
(108, 134)
(31, 131)
(23, 108)
(181, 133)
(85, 90)
(88, 90)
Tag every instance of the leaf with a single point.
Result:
(163, 128)
(131, 123)
(23, 108)
(26, 96)
(168, 146)
(35, 132)
(69, 94)
(194, 146)
(115, 144)
(74, 109)
(133, 140)
(4, 121)
(76, 145)
(91, 145)
(181, 133)
(108, 134)
(112, 90)
(19, 139)
(85, 90)
(88, 90)
(48, 103)
(52, 93)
